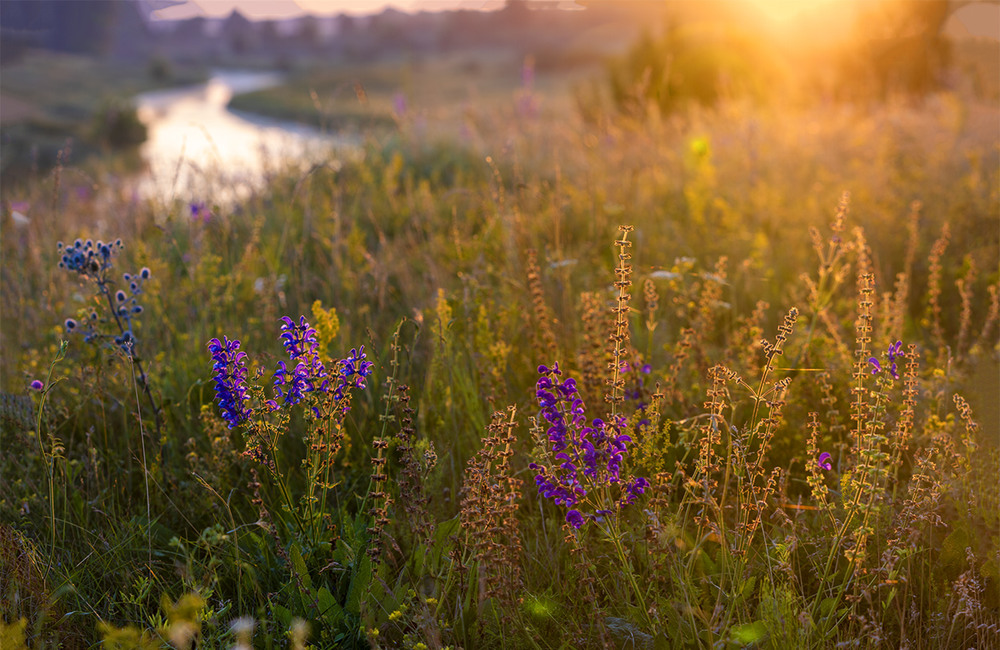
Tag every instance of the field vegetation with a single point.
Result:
(720, 376)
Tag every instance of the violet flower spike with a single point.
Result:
(230, 380)
(586, 454)
(895, 351)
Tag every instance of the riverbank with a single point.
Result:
(49, 100)
(440, 90)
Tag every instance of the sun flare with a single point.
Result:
(782, 10)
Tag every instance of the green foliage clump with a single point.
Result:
(691, 65)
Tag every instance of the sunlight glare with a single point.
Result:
(781, 11)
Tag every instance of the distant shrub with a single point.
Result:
(117, 126)
(688, 65)
(160, 70)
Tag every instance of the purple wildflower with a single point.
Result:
(574, 518)
(37, 385)
(351, 373)
(824, 461)
(230, 380)
(309, 373)
(399, 104)
(586, 456)
(92, 260)
(894, 352)
(633, 490)
(200, 211)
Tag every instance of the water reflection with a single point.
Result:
(197, 149)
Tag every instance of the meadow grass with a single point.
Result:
(735, 450)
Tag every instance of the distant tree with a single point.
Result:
(308, 33)
(239, 32)
(899, 48)
(192, 29)
(345, 25)
(686, 66)
(515, 13)
(82, 26)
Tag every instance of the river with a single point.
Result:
(198, 150)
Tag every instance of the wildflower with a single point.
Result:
(574, 518)
(585, 456)
(37, 385)
(200, 211)
(126, 342)
(292, 385)
(309, 374)
(633, 490)
(92, 260)
(298, 339)
(230, 380)
(894, 352)
(351, 373)
(86, 258)
(399, 104)
(824, 461)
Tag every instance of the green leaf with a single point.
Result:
(888, 600)
(953, 548)
(282, 615)
(359, 584)
(330, 609)
(299, 565)
(989, 569)
(748, 633)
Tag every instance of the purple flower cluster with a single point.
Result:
(309, 374)
(230, 380)
(895, 351)
(588, 455)
(352, 372)
(200, 211)
(88, 258)
(93, 261)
